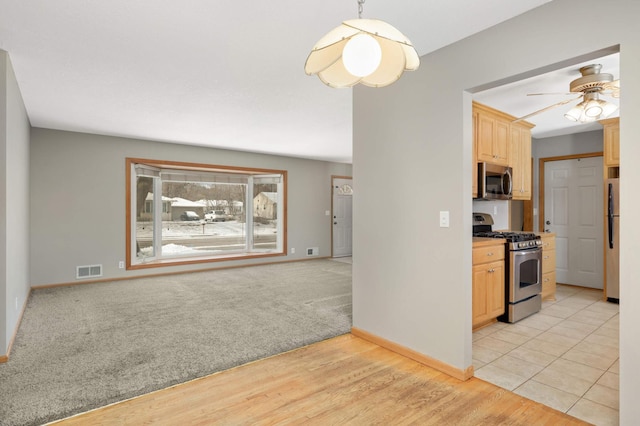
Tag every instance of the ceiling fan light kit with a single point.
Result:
(362, 51)
(592, 108)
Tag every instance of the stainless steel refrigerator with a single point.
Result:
(613, 240)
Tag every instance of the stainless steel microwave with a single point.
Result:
(494, 182)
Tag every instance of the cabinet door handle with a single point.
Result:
(491, 270)
(490, 254)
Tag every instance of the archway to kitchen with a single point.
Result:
(527, 362)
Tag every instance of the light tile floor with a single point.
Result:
(565, 356)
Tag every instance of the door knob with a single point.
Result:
(335, 223)
(548, 222)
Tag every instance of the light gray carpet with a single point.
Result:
(86, 346)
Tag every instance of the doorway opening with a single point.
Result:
(341, 216)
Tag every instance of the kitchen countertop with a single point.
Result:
(482, 242)
(542, 234)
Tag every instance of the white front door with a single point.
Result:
(342, 190)
(573, 211)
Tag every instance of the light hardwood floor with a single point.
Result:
(344, 380)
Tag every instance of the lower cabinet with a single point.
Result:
(488, 284)
(548, 266)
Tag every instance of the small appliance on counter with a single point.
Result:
(523, 268)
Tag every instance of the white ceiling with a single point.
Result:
(211, 73)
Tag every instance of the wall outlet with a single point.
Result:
(121, 264)
(293, 250)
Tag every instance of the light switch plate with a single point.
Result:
(444, 219)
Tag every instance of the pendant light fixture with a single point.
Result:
(366, 51)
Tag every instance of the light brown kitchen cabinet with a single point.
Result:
(497, 139)
(488, 282)
(492, 136)
(611, 142)
(521, 159)
(548, 266)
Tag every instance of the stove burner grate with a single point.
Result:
(509, 236)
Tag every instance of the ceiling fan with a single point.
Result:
(591, 85)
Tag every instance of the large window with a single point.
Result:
(189, 213)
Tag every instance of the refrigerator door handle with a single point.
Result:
(610, 215)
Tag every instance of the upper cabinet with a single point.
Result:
(611, 142)
(498, 140)
(492, 144)
(521, 160)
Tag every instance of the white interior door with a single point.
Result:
(342, 217)
(573, 211)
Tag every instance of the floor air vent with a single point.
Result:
(313, 251)
(88, 271)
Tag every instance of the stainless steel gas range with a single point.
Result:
(523, 266)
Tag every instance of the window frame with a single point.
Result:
(158, 261)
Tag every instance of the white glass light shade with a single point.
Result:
(592, 108)
(361, 55)
(397, 55)
(608, 108)
(574, 113)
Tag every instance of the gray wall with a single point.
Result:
(78, 199)
(14, 198)
(412, 141)
(577, 143)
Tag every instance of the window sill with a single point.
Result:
(196, 260)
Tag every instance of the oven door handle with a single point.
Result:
(533, 253)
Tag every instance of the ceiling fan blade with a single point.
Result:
(614, 87)
(612, 94)
(546, 109)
